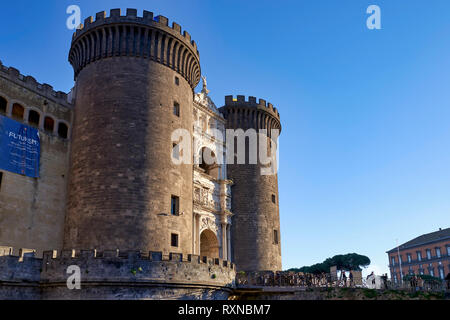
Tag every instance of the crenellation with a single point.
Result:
(193, 258)
(67, 254)
(27, 253)
(6, 251)
(156, 256)
(162, 20)
(241, 102)
(89, 20)
(109, 254)
(49, 255)
(84, 256)
(148, 15)
(80, 58)
(131, 13)
(115, 13)
(187, 36)
(177, 257)
(262, 102)
(30, 83)
(87, 254)
(100, 15)
(176, 27)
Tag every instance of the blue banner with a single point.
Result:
(19, 148)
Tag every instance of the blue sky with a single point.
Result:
(365, 155)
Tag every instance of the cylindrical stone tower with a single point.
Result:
(256, 222)
(134, 86)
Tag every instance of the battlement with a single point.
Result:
(114, 265)
(147, 36)
(131, 16)
(23, 267)
(240, 101)
(30, 83)
(83, 255)
(239, 113)
(112, 271)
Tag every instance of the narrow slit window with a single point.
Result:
(177, 81)
(174, 240)
(176, 151)
(175, 206)
(274, 198)
(275, 236)
(176, 109)
(1, 178)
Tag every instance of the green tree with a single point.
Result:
(347, 262)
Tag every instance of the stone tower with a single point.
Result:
(255, 229)
(134, 86)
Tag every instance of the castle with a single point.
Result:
(109, 197)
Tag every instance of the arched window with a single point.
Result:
(49, 124)
(3, 105)
(63, 130)
(209, 162)
(18, 111)
(33, 118)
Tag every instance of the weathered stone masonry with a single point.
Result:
(108, 181)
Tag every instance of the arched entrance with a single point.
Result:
(209, 245)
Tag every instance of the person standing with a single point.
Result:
(344, 279)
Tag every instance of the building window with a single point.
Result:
(441, 273)
(177, 81)
(63, 130)
(175, 206)
(428, 254)
(419, 256)
(393, 261)
(176, 109)
(33, 118)
(432, 272)
(275, 236)
(49, 124)
(176, 151)
(438, 252)
(400, 258)
(395, 278)
(174, 240)
(448, 251)
(3, 105)
(18, 111)
(408, 255)
(274, 199)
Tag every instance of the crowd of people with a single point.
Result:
(345, 279)
(294, 279)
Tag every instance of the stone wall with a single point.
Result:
(114, 275)
(32, 210)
